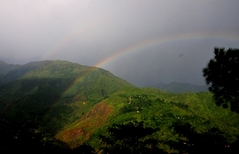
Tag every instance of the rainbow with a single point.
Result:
(138, 47)
(162, 40)
(145, 44)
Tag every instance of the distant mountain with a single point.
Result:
(19, 60)
(52, 106)
(177, 87)
(4, 69)
(11, 72)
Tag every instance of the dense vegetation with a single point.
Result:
(222, 76)
(53, 89)
(67, 107)
(159, 110)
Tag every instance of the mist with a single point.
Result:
(143, 42)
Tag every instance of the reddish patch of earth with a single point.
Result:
(88, 123)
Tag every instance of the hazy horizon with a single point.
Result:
(23, 62)
(143, 42)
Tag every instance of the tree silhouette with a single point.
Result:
(83, 149)
(222, 76)
(132, 137)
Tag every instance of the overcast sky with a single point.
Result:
(142, 41)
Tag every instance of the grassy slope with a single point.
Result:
(50, 95)
(77, 103)
(157, 109)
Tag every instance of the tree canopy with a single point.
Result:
(222, 76)
(132, 137)
(192, 141)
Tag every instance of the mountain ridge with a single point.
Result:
(75, 104)
(178, 87)
(37, 86)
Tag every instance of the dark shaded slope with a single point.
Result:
(13, 72)
(48, 93)
(4, 69)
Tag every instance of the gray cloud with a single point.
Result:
(88, 32)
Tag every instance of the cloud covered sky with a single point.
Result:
(142, 41)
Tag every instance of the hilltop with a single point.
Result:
(69, 106)
(54, 88)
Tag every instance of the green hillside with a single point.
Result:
(69, 107)
(50, 90)
(156, 109)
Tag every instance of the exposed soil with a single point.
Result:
(81, 130)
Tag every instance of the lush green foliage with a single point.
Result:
(50, 93)
(222, 75)
(191, 141)
(132, 137)
(160, 110)
(78, 104)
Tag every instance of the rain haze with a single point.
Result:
(143, 42)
